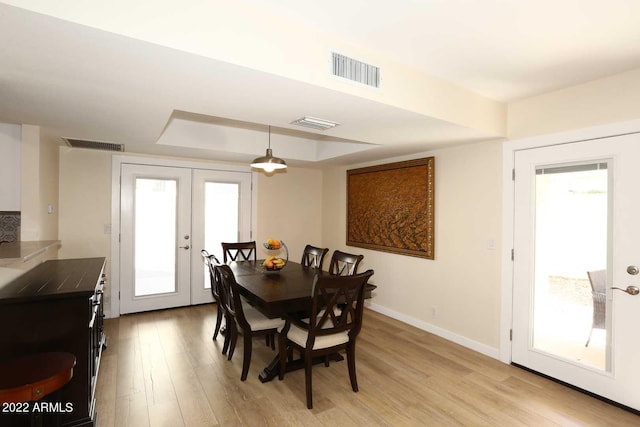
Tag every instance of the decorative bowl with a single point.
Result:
(273, 264)
(272, 244)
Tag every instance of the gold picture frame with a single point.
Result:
(391, 207)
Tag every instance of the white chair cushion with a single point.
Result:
(299, 336)
(260, 322)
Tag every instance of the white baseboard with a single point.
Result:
(448, 335)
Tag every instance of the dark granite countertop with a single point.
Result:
(54, 278)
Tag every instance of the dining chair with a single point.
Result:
(598, 281)
(326, 331)
(239, 251)
(344, 264)
(248, 320)
(313, 257)
(210, 262)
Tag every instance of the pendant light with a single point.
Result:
(268, 163)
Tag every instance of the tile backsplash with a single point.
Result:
(9, 226)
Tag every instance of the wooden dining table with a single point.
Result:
(275, 293)
(278, 294)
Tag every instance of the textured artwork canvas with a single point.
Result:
(391, 207)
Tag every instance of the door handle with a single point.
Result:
(631, 290)
(186, 247)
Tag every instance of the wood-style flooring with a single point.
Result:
(163, 369)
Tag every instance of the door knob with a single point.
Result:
(633, 270)
(184, 247)
(631, 290)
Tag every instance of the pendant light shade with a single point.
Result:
(268, 163)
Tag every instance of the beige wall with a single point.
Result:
(463, 282)
(85, 202)
(39, 185)
(10, 138)
(608, 100)
(85, 206)
(290, 209)
(49, 188)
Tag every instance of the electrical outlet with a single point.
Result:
(434, 312)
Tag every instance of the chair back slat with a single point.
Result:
(313, 257)
(239, 251)
(344, 264)
(338, 304)
(210, 261)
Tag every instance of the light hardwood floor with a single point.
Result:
(162, 369)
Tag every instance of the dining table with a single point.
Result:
(280, 293)
(275, 292)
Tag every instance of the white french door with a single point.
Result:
(155, 249)
(576, 211)
(221, 213)
(168, 215)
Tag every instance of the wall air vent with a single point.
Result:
(95, 145)
(352, 69)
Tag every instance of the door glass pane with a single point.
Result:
(155, 236)
(570, 240)
(222, 201)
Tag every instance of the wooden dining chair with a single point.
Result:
(344, 264)
(239, 251)
(313, 256)
(210, 261)
(327, 331)
(248, 320)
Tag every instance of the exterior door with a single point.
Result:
(155, 237)
(576, 211)
(221, 213)
(168, 215)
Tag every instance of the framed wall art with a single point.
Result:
(391, 207)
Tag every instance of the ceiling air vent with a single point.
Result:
(315, 123)
(96, 145)
(352, 69)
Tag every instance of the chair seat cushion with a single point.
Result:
(299, 336)
(260, 322)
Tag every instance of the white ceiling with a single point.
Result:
(502, 49)
(75, 79)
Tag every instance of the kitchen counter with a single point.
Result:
(20, 252)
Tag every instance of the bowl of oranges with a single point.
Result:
(272, 244)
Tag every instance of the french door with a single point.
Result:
(221, 212)
(168, 215)
(576, 215)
